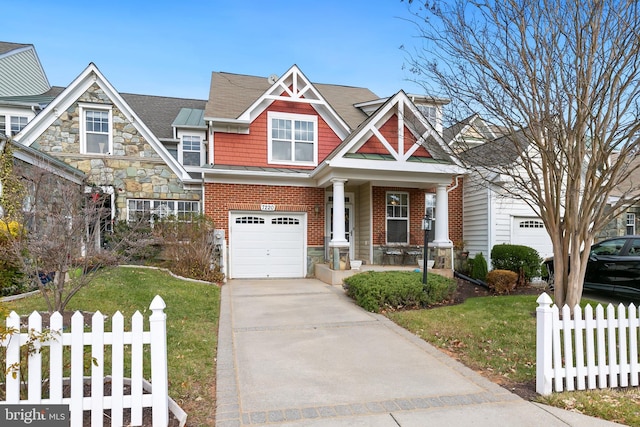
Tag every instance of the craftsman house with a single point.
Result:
(301, 173)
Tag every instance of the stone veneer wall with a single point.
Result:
(134, 169)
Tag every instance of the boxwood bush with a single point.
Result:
(391, 290)
(517, 258)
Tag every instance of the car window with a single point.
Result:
(610, 247)
(634, 248)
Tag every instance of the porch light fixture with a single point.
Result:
(426, 226)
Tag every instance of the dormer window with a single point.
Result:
(95, 130)
(293, 139)
(191, 150)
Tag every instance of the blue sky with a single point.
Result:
(170, 48)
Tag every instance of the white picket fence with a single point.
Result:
(96, 340)
(580, 351)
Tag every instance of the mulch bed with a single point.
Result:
(465, 289)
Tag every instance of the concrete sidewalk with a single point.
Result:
(301, 353)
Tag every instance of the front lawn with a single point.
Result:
(192, 327)
(496, 336)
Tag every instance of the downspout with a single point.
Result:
(457, 184)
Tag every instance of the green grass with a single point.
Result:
(192, 326)
(496, 335)
(492, 334)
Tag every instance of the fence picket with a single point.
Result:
(136, 369)
(13, 360)
(634, 316)
(557, 350)
(590, 331)
(581, 369)
(56, 358)
(567, 328)
(612, 348)
(77, 369)
(609, 343)
(97, 368)
(34, 363)
(117, 369)
(623, 365)
(601, 347)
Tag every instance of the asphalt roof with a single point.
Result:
(231, 94)
(159, 112)
(6, 47)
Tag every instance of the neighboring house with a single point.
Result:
(300, 173)
(490, 215)
(24, 88)
(31, 165)
(118, 141)
(627, 222)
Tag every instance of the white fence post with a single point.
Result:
(77, 340)
(543, 344)
(12, 366)
(159, 372)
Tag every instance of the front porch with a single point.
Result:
(324, 273)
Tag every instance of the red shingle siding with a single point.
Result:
(251, 150)
(221, 198)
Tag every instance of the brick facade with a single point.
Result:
(222, 198)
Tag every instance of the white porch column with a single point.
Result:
(441, 237)
(338, 238)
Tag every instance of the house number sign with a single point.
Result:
(267, 207)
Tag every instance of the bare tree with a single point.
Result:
(53, 229)
(562, 81)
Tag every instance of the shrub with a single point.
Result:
(376, 291)
(479, 268)
(502, 281)
(189, 249)
(520, 259)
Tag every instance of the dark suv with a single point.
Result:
(614, 267)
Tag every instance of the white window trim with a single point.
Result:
(154, 209)
(181, 149)
(83, 124)
(290, 116)
(631, 222)
(387, 218)
(10, 124)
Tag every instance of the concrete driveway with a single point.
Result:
(301, 353)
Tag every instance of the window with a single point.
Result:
(631, 224)
(154, 210)
(3, 125)
(398, 218)
(191, 148)
(96, 130)
(17, 124)
(292, 139)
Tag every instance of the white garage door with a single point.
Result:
(531, 232)
(263, 245)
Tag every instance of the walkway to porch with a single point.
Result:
(335, 277)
